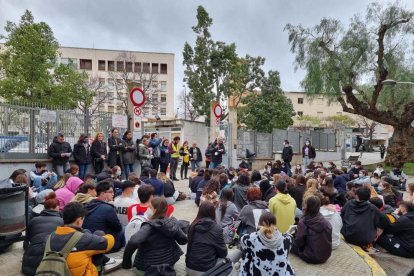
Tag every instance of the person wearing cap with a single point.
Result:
(60, 151)
(125, 200)
(154, 144)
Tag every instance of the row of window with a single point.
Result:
(111, 96)
(320, 100)
(319, 114)
(155, 85)
(111, 65)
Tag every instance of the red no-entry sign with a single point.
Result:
(217, 110)
(137, 96)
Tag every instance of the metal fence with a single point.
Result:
(267, 144)
(28, 129)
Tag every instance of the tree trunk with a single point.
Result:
(401, 147)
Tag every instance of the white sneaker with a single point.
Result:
(112, 265)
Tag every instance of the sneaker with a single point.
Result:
(112, 265)
(373, 251)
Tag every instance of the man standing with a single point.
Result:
(174, 150)
(287, 155)
(217, 151)
(60, 151)
(116, 146)
(195, 157)
(382, 151)
(154, 143)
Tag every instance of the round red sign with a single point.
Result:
(217, 110)
(137, 111)
(137, 96)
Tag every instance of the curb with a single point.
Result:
(375, 267)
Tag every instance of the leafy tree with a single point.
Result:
(349, 65)
(306, 122)
(28, 69)
(268, 109)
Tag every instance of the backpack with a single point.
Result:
(54, 262)
(133, 226)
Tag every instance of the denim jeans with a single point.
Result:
(214, 165)
(128, 169)
(173, 167)
(62, 169)
(83, 168)
(195, 164)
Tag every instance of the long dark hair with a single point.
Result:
(226, 196)
(125, 135)
(160, 206)
(311, 210)
(82, 138)
(206, 210)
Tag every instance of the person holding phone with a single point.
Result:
(60, 151)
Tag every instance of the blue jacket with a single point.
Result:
(340, 182)
(157, 184)
(101, 216)
(165, 157)
(155, 145)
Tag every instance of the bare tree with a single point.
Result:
(185, 103)
(368, 127)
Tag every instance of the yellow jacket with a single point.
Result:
(283, 206)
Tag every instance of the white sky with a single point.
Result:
(256, 26)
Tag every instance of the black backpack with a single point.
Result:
(54, 262)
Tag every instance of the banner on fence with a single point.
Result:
(120, 121)
(48, 116)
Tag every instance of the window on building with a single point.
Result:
(300, 100)
(111, 108)
(163, 86)
(154, 68)
(163, 98)
(154, 85)
(101, 65)
(101, 81)
(146, 68)
(120, 66)
(300, 113)
(111, 96)
(128, 66)
(145, 110)
(154, 111)
(120, 81)
(137, 67)
(111, 82)
(111, 65)
(101, 95)
(163, 68)
(163, 112)
(85, 64)
(72, 62)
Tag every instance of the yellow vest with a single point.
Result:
(175, 148)
(186, 157)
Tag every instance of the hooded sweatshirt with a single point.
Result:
(314, 239)
(247, 216)
(335, 220)
(102, 216)
(67, 192)
(264, 256)
(206, 245)
(283, 206)
(403, 231)
(240, 196)
(156, 242)
(360, 222)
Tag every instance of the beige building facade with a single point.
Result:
(110, 71)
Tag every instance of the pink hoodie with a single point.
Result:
(67, 192)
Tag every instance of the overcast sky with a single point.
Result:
(256, 26)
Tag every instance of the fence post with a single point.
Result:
(32, 131)
(57, 124)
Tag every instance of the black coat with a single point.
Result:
(116, 146)
(98, 149)
(156, 242)
(81, 153)
(38, 231)
(101, 216)
(311, 151)
(287, 154)
(56, 149)
(217, 151)
(206, 245)
(199, 156)
(403, 231)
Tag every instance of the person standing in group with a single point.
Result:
(98, 152)
(382, 151)
(186, 160)
(287, 155)
(195, 157)
(174, 149)
(60, 151)
(128, 154)
(144, 155)
(116, 146)
(207, 154)
(308, 154)
(155, 143)
(217, 151)
(165, 156)
(82, 154)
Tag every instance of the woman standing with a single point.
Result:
(128, 154)
(82, 154)
(156, 241)
(205, 241)
(165, 156)
(98, 152)
(116, 146)
(308, 154)
(186, 159)
(266, 251)
(144, 154)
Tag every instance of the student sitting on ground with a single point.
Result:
(102, 215)
(240, 190)
(361, 220)
(41, 178)
(226, 211)
(313, 239)
(156, 183)
(37, 232)
(398, 237)
(210, 192)
(67, 192)
(205, 241)
(266, 251)
(251, 212)
(86, 193)
(156, 241)
(123, 201)
(332, 214)
(387, 210)
(80, 259)
(283, 207)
